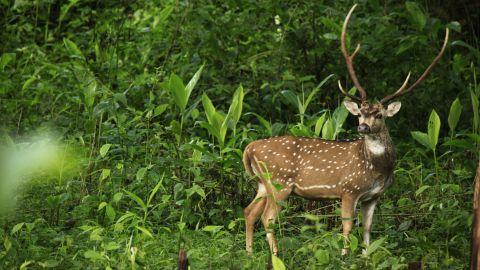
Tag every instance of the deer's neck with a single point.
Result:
(380, 151)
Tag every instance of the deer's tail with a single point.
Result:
(247, 160)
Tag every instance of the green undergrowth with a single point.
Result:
(123, 123)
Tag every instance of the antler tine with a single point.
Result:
(347, 94)
(402, 90)
(404, 85)
(349, 58)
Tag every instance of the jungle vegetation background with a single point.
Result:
(123, 125)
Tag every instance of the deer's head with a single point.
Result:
(371, 115)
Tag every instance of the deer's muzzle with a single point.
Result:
(364, 128)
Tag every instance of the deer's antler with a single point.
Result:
(402, 90)
(349, 62)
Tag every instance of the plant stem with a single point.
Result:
(436, 165)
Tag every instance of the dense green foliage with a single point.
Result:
(150, 104)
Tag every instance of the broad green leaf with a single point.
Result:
(144, 231)
(136, 199)
(311, 217)
(471, 49)
(72, 48)
(17, 228)
(460, 143)
(120, 97)
(66, 8)
(322, 256)
(264, 123)
(374, 246)
(353, 242)
(110, 213)
(5, 59)
(7, 244)
(101, 205)
(163, 16)
(191, 84)
(453, 187)
(235, 110)
(331, 36)
(175, 127)
(210, 110)
(212, 228)
(422, 138)
(181, 226)
(232, 224)
(117, 197)
(112, 246)
(223, 133)
(339, 116)
(125, 217)
(476, 116)
(28, 82)
(319, 124)
(178, 91)
(49, 264)
(25, 265)
(454, 115)
(194, 113)
(96, 234)
(90, 91)
(417, 17)
(291, 98)
(141, 173)
(421, 190)
(104, 149)
(217, 122)
(159, 109)
(212, 130)
(455, 26)
(328, 130)
(155, 190)
(277, 263)
(92, 255)
(195, 189)
(404, 226)
(433, 129)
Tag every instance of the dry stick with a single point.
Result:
(182, 260)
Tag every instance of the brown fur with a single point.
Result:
(352, 171)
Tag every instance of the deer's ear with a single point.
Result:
(352, 107)
(393, 108)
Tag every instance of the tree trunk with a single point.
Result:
(474, 260)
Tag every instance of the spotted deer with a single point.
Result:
(354, 171)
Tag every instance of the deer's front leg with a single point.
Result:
(348, 214)
(367, 212)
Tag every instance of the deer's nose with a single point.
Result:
(363, 128)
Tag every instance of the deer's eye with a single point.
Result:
(378, 116)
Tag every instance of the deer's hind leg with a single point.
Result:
(270, 213)
(252, 212)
